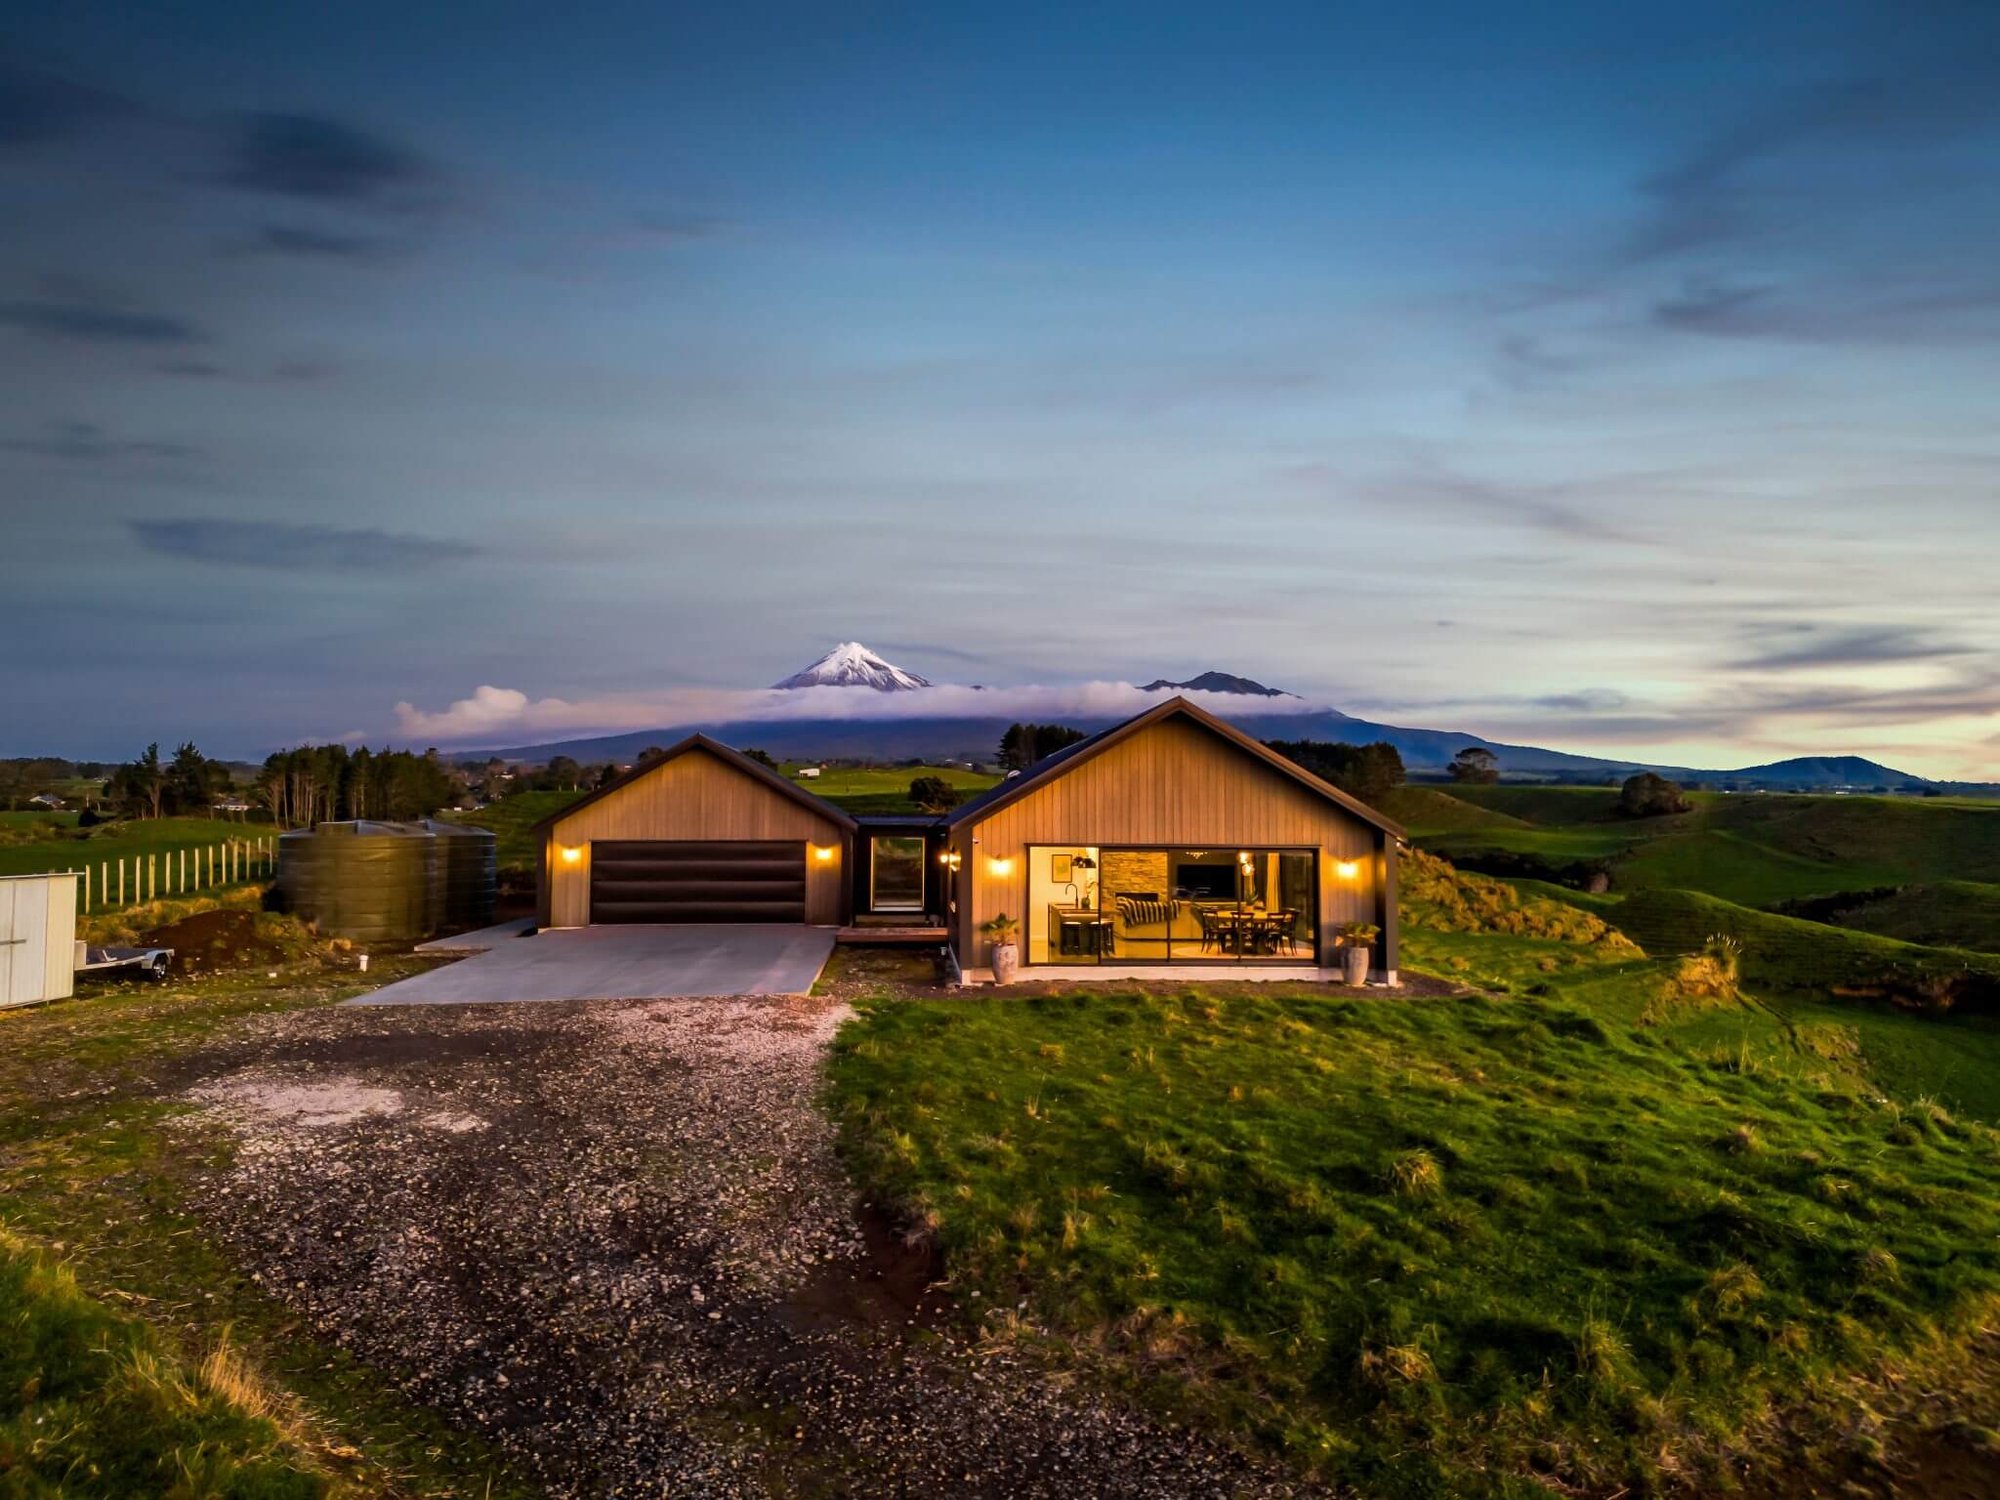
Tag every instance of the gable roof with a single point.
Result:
(1068, 758)
(729, 756)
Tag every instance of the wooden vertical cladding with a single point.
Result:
(1175, 783)
(697, 793)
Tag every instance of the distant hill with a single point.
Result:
(977, 739)
(1217, 682)
(1822, 772)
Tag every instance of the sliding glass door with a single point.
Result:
(1090, 904)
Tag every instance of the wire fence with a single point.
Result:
(133, 879)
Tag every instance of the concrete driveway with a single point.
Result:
(625, 963)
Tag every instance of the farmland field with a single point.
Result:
(885, 789)
(33, 844)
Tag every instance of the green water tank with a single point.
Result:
(371, 882)
(469, 868)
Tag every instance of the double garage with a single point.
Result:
(699, 834)
(697, 880)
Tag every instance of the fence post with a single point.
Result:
(152, 877)
(84, 892)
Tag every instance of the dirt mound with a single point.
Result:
(211, 940)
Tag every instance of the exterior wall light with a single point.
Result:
(823, 853)
(1000, 868)
(571, 854)
(1348, 869)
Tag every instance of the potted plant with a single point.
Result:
(1357, 945)
(1006, 952)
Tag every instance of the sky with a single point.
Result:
(1617, 378)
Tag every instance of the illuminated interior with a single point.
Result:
(1091, 904)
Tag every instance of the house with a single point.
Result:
(49, 801)
(809, 773)
(1171, 839)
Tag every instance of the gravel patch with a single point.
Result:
(616, 1239)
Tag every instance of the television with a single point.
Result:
(1205, 882)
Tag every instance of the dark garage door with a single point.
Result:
(683, 881)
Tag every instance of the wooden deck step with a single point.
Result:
(913, 937)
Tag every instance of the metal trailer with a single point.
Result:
(137, 963)
(37, 938)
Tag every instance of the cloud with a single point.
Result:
(86, 442)
(1589, 701)
(93, 322)
(1712, 194)
(1704, 306)
(37, 108)
(1810, 646)
(509, 713)
(309, 244)
(191, 369)
(1877, 312)
(1542, 508)
(284, 547)
(311, 156)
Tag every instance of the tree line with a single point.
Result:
(330, 783)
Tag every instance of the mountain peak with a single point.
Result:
(1217, 682)
(851, 664)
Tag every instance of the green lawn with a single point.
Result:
(1432, 1247)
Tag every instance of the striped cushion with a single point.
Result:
(1140, 912)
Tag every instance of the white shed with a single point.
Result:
(37, 938)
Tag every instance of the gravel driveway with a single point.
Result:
(616, 1239)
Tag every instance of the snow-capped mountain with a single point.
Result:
(851, 664)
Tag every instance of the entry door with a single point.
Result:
(896, 873)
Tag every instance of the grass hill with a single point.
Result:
(1948, 914)
(1427, 810)
(1788, 954)
(1664, 1220)
(1452, 1248)
(1755, 850)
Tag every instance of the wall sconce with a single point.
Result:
(1348, 869)
(823, 853)
(571, 854)
(1000, 868)
(951, 859)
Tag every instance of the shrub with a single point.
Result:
(1649, 796)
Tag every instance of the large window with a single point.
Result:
(1089, 904)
